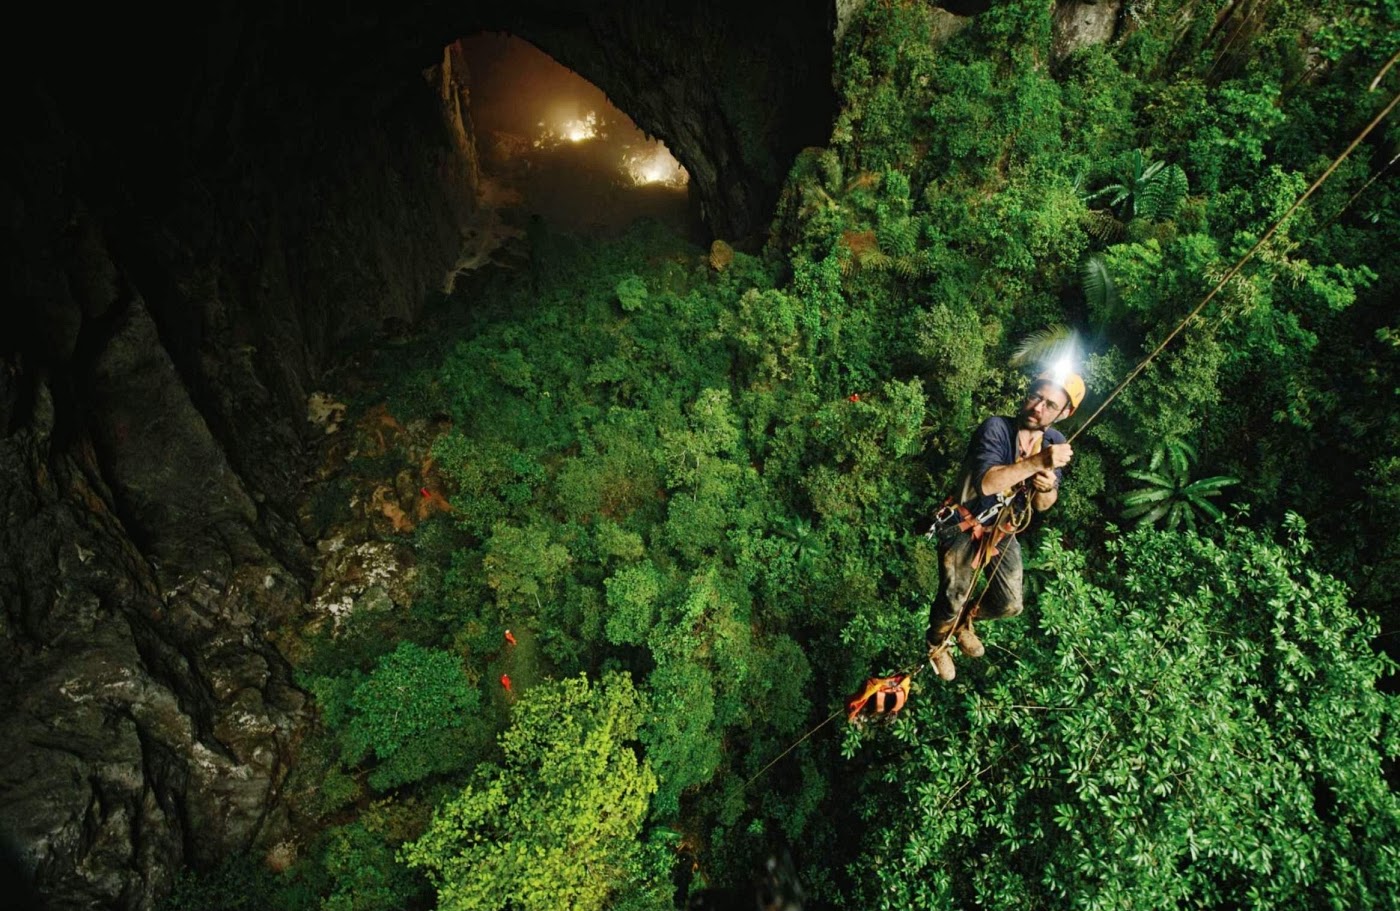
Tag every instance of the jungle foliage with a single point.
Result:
(696, 496)
(1211, 746)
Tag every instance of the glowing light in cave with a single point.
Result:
(654, 164)
(553, 145)
(580, 130)
(570, 129)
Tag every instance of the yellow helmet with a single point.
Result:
(1072, 383)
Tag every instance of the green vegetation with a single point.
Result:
(1169, 493)
(694, 496)
(556, 825)
(1129, 747)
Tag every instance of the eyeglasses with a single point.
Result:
(1035, 400)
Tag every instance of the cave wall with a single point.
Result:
(734, 89)
(205, 209)
(195, 232)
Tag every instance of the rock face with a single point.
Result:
(203, 210)
(193, 231)
(1081, 23)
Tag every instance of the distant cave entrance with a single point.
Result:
(551, 145)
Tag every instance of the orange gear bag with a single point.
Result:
(878, 697)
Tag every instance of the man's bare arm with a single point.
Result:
(1003, 477)
(1045, 492)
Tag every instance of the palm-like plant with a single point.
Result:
(1146, 188)
(1100, 290)
(1169, 493)
(805, 542)
(1046, 346)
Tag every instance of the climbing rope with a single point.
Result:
(1235, 269)
(795, 744)
(1021, 521)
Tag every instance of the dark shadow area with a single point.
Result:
(17, 880)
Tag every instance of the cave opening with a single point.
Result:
(552, 145)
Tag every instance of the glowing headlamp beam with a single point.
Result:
(1063, 366)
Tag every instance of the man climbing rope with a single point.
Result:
(1013, 467)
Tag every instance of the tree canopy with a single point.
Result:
(696, 495)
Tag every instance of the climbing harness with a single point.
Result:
(1010, 521)
(953, 514)
(881, 698)
(863, 705)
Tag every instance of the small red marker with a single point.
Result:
(505, 682)
(424, 492)
(855, 397)
(510, 638)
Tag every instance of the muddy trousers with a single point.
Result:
(958, 580)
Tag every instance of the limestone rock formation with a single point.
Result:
(1081, 23)
(176, 278)
(196, 230)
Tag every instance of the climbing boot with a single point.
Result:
(942, 662)
(968, 643)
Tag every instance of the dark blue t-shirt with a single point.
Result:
(993, 444)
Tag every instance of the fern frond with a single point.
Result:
(1209, 487)
(907, 267)
(1044, 346)
(1147, 518)
(899, 237)
(1148, 201)
(1174, 190)
(1141, 500)
(1182, 454)
(1157, 480)
(876, 261)
(1210, 509)
(1160, 197)
(1104, 226)
(1099, 289)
